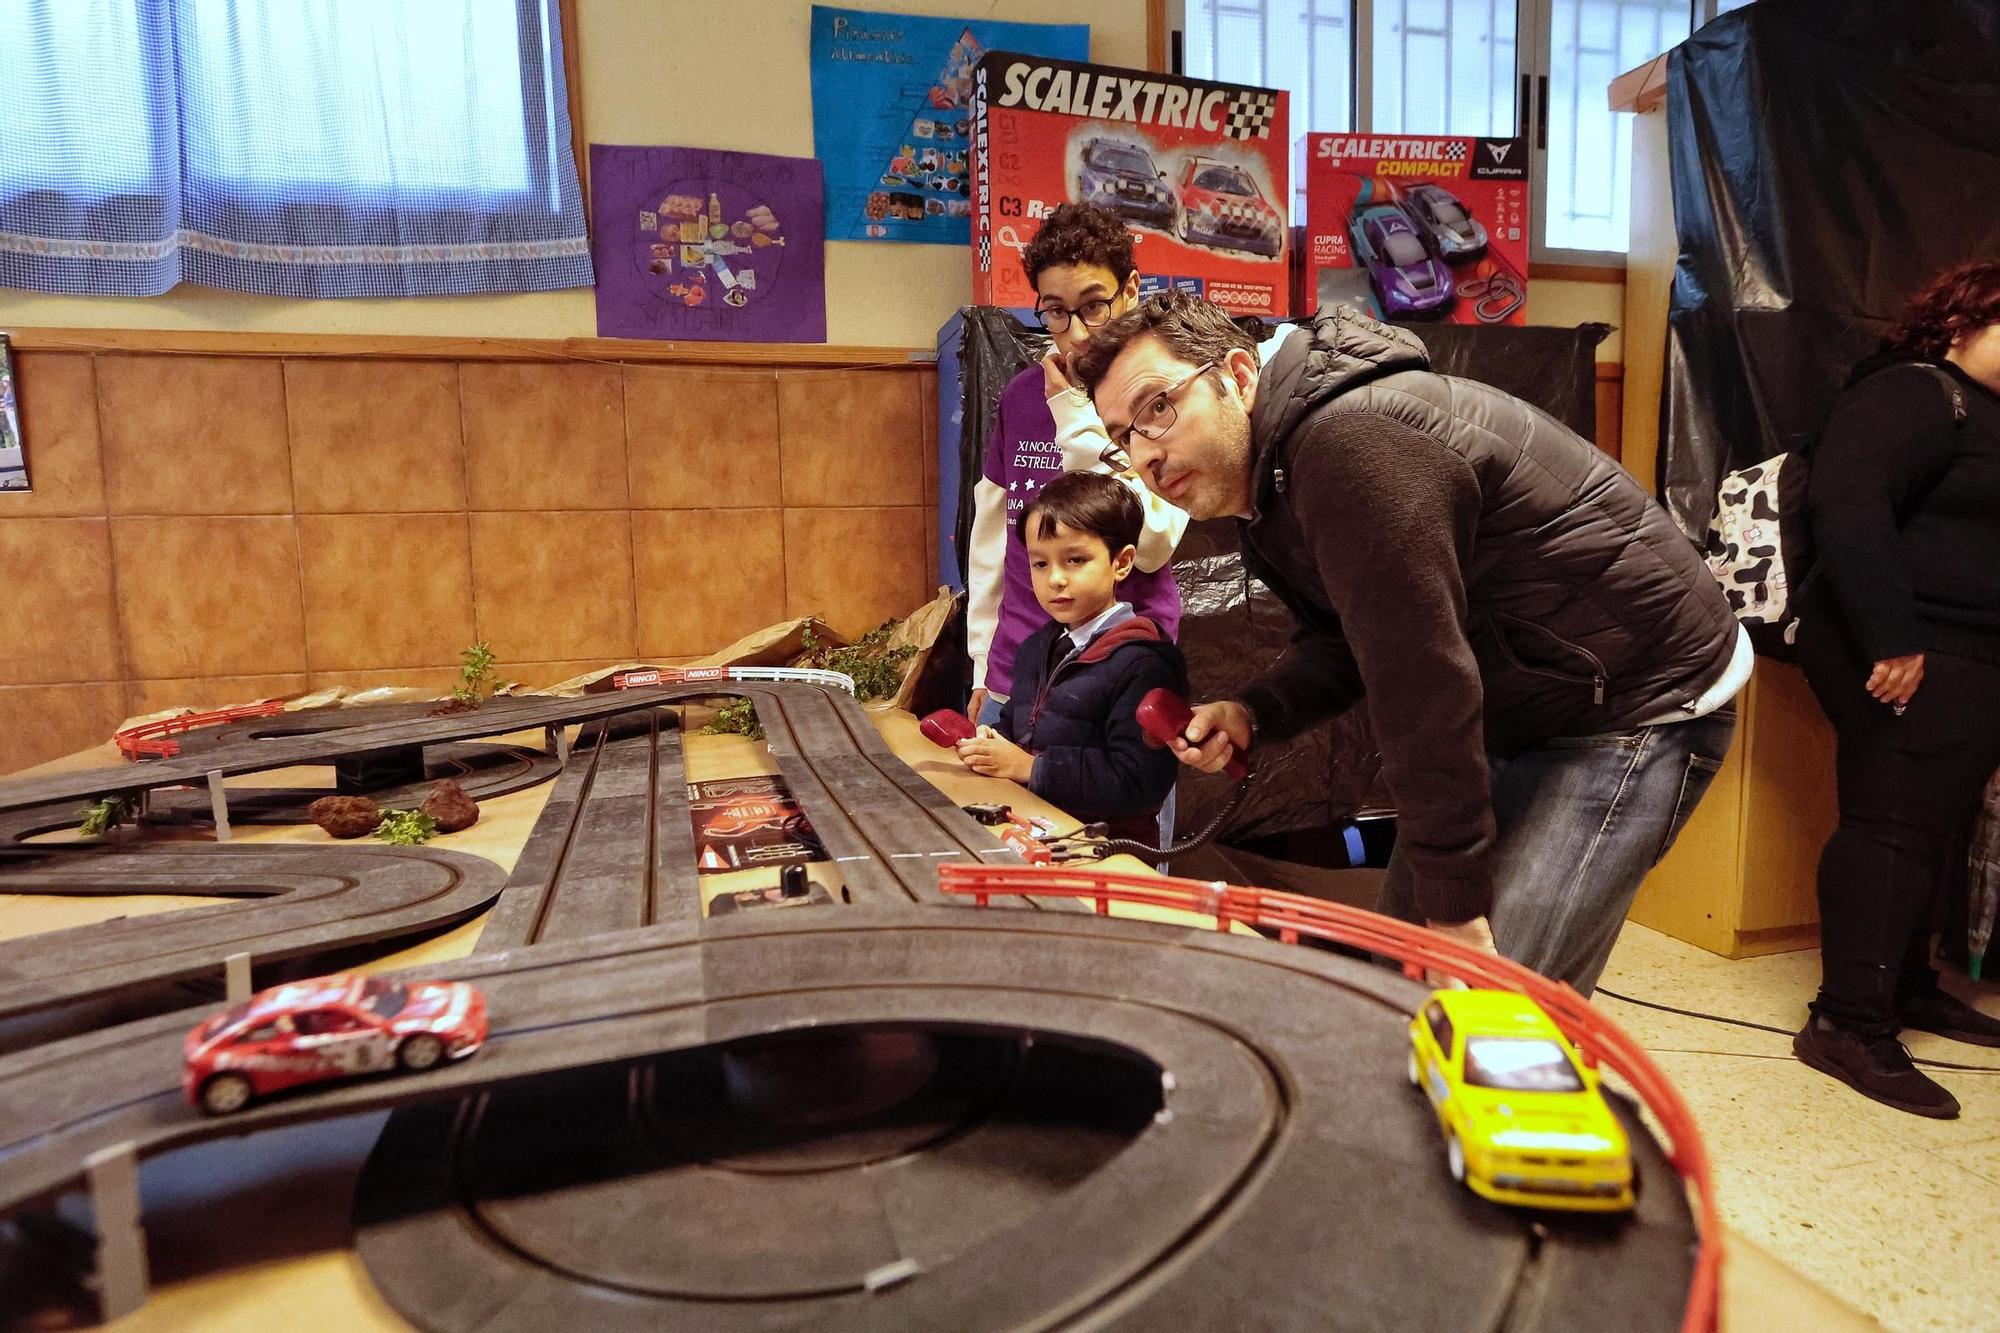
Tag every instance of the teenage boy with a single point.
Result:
(1081, 265)
(1069, 731)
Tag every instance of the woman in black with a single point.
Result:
(1899, 636)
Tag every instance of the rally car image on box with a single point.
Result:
(1121, 177)
(1523, 1120)
(1407, 277)
(1454, 232)
(327, 1028)
(1221, 206)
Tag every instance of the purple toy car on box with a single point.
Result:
(1407, 277)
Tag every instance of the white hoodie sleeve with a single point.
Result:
(1081, 437)
(985, 573)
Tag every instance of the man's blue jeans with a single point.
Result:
(1579, 822)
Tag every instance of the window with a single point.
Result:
(1519, 1064)
(1462, 67)
(384, 999)
(1587, 181)
(289, 147)
(1440, 1028)
(327, 1023)
(1443, 67)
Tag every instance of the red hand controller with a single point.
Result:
(947, 728)
(1164, 715)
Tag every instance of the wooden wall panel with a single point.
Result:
(246, 518)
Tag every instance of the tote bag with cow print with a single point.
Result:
(1759, 545)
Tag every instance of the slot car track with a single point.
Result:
(894, 1113)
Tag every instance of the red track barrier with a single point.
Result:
(153, 740)
(1291, 915)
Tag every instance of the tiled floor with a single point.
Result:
(1896, 1214)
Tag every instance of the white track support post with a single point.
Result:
(559, 743)
(112, 1177)
(218, 805)
(236, 977)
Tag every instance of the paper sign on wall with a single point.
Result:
(693, 243)
(891, 116)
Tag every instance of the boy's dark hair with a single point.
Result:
(1079, 234)
(1192, 329)
(1085, 502)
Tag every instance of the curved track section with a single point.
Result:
(289, 902)
(1286, 1176)
(254, 754)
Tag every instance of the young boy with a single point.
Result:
(1080, 263)
(1070, 730)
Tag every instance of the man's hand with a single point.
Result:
(994, 756)
(1055, 374)
(977, 706)
(1476, 934)
(1895, 679)
(1213, 736)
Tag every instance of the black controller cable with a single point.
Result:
(1766, 1027)
(1089, 843)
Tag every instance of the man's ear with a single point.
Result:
(1128, 292)
(1123, 563)
(1244, 367)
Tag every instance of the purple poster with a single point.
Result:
(695, 243)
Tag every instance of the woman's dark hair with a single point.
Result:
(1079, 234)
(1962, 299)
(1085, 502)
(1192, 329)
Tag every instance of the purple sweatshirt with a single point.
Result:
(1024, 453)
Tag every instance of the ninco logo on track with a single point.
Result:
(1078, 90)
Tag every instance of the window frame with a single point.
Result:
(1533, 56)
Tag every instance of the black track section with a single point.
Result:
(898, 1114)
(289, 902)
(1295, 1180)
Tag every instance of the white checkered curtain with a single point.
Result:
(307, 148)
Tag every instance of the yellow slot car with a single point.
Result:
(1523, 1120)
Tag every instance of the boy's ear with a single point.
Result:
(1122, 564)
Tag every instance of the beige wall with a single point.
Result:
(732, 75)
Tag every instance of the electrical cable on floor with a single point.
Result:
(1610, 994)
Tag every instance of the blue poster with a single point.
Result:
(892, 120)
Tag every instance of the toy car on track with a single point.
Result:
(328, 1028)
(1221, 207)
(1407, 278)
(1524, 1122)
(1454, 232)
(1121, 177)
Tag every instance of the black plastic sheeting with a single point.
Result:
(1828, 158)
(1231, 627)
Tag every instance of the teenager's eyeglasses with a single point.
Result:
(1158, 415)
(1056, 319)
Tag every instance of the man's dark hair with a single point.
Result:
(1079, 234)
(1085, 502)
(1192, 329)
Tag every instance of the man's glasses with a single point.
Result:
(1056, 319)
(1158, 415)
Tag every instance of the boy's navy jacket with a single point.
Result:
(1081, 723)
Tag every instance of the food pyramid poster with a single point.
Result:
(892, 116)
(694, 243)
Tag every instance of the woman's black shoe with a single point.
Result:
(1945, 1014)
(1876, 1067)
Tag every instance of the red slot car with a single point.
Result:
(328, 1028)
